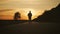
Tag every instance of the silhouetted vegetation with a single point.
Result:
(52, 15)
(17, 16)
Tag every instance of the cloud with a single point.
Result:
(4, 10)
(3, 0)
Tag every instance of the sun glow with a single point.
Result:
(24, 13)
(34, 13)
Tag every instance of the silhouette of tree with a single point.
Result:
(17, 16)
(50, 15)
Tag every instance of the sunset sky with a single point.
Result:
(37, 7)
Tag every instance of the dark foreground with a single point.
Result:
(29, 28)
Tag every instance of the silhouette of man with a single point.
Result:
(17, 16)
(29, 15)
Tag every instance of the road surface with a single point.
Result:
(31, 28)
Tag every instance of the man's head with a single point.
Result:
(29, 11)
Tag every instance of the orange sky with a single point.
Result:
(8, 14)
(37, 7)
